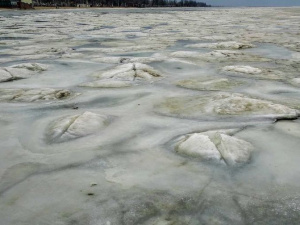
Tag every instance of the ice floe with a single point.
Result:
(222, 45)
(20, 71)
(224, 104)
(124, 75)
(76, 126)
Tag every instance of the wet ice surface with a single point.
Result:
(150, 116)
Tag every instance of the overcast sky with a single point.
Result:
(252, 2)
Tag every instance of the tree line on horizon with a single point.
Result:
(121, 3)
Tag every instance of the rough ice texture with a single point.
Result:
(72, 127)
(226, 104)
(33, 95)
(216, 146)
(10, 74)
(222, 45)
(32, 66)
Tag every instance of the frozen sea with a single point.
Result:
(157, 116)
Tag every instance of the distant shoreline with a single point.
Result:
(95, 7)
(120, 7)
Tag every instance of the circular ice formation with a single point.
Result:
(243, 69)
(33, 95)
(210, 85)
(231, 104)
(124, 75)
(76, 126)
(215, 146)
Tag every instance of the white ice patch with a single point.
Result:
(199, 146)
(216, 146)
(243, 69)
(234, 151)
(33, 95)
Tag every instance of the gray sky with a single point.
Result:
(252, 2)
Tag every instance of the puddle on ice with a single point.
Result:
(106, 120)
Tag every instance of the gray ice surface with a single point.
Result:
(93, 138)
